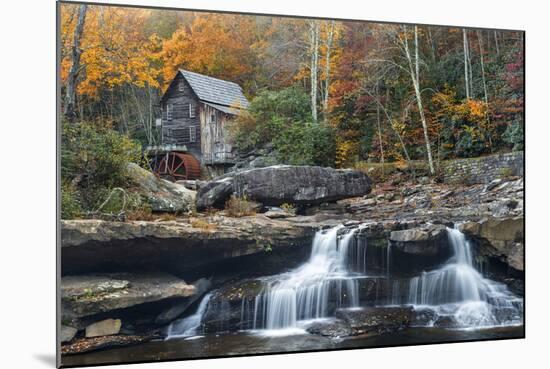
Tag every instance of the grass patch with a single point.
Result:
(240, 207)
(202, 224)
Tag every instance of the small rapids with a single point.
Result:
(189, 327)
(456, 295)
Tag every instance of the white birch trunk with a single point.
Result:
(314, 43)
(416, 84)
(466, 73)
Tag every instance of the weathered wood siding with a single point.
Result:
(215, 143)
(178, 130)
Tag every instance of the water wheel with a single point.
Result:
(175, 166)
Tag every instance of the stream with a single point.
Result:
(452, 302)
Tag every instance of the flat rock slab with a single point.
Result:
(107, 327)
(86, 295)
(104, 246)
(82, 345)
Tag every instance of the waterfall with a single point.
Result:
(456, 293)
(188, 327)
(306, 292)
(459, 291)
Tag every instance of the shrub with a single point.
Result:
(239, 207)
(94, 159)
(70, 204)
(289, 208)
(514, 135)
(284, 118)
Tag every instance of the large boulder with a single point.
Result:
(162, 195)
(214, 194)
(275, 185)
(88, 295)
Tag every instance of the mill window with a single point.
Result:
(169, 109)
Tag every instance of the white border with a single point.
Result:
(27, 62)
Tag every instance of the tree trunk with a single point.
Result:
(70, 91)
(327, 70)
(314, 44)
(496, 43)
(486, 97)
(413, 70)
(379, 131)
(466, 73)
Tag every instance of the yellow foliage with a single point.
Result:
(115, 49)
(346, 152)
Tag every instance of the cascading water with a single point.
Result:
(458, 291)
(305, 292)
(188, 327)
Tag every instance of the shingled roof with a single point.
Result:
(216, 91)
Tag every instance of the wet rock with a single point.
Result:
(162, 195)
(334, 328)
(376, 320)
(87, 295)
(423, 317)
(231, 307)
(107, 327)
(445, 321)
(67, 333)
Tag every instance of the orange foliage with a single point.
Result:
(218, 45)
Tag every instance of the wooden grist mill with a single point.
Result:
(195, 110)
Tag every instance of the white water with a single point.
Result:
(304, 293)
(188, 327)
(458, 291)
(330, 278)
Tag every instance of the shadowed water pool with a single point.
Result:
(244, 343)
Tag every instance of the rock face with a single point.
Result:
(418, 248)
(88, 295)
(177, 246)
(275, 185)
(107, 327)
(162, 195)
(502, 238)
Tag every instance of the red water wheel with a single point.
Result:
(176, 166)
